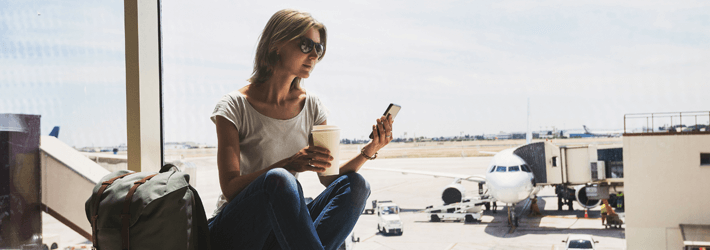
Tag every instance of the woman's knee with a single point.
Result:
(280, 179)
(359, 187)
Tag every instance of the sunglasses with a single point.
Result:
(307, 45)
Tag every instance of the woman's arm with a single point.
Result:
(232, 182)
(379, 132)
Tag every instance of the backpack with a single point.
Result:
(141, 210)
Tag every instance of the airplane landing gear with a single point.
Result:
(512, 219)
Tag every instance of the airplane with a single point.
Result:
(615, 133)
(510, 179)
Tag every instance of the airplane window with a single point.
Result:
(513, 169)
(500, 169)
(493, 169)
(525, 168)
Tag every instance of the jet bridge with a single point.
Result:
(40, 174)
(68, 178)
(572, 165)
(544, 161)
(584, 173)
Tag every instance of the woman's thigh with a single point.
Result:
(244, 223)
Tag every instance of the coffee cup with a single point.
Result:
(328, 136)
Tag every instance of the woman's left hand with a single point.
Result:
(381, 133)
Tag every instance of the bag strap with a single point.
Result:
(126, 214)
(95, 217)
(200, 218)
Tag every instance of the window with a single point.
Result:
(63, 61)
(525, 168)
(554, 161)
(500, 169)
(492, 169)
(513, 169)
(390, 210)
(584, 244)
(704, 159)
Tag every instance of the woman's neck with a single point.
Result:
(276, 90)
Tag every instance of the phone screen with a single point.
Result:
(392, 109)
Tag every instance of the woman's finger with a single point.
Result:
(381, 129)
(321, 160)
(320, 156)
(388, 127)
(375, 134)
(315, 169)
(317, 149)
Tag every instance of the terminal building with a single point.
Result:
(667, 190)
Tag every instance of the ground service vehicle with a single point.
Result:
(388, 221)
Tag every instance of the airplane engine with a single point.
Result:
(581, 196)
(453, 193)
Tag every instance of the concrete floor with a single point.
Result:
(415, 192)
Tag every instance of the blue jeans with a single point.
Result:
(272, 212)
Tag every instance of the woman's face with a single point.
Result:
(295, 62)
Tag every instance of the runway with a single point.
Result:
(415, 192)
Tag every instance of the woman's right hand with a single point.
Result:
(310, 158)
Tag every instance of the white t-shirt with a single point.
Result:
(263, 140)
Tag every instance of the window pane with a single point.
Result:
(65, 61)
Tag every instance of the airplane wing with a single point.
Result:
(472, 178)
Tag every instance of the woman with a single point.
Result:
(262, 132)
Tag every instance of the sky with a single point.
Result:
(455, 67)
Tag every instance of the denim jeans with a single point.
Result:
(272, 212)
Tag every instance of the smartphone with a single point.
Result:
(392, 110)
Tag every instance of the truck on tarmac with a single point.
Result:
(388, 221)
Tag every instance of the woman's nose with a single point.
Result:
(313, 55)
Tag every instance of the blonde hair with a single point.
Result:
(284, 26)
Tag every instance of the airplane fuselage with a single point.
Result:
(508, 178)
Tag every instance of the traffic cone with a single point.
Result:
(585, 213)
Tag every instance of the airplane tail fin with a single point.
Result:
(586, 130)
(55, 132)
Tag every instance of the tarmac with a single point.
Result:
(414, 193)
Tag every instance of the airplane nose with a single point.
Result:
(511, 189)
(510, 195)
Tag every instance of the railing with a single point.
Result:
(669, 122)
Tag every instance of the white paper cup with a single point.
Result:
(328, 136)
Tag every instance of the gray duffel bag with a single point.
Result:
(142, 210)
